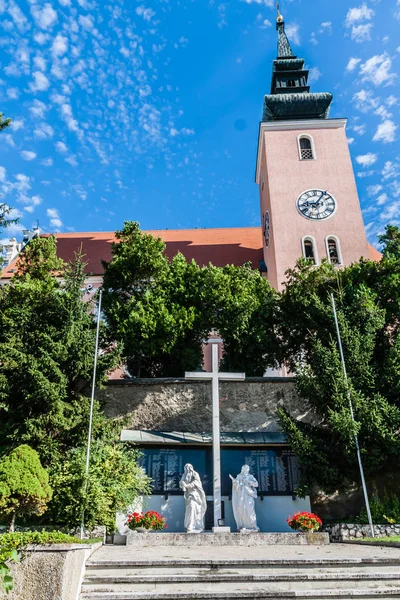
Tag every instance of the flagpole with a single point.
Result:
(364, 485)
(89, 442)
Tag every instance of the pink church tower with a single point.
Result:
(308, 193)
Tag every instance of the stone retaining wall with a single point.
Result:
(180, 405)
(89, 534)
(341, 532)
(50, 572)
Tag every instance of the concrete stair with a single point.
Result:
(181, 579)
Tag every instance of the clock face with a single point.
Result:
(316, 204)
(266, 228)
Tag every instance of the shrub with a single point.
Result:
(386, 510)
(24, 485)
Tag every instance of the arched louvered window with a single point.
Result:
(310, 250)
(306, 147)
(333, 250)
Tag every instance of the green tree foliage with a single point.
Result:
(160, 311)
(4, 122)
(47, 341)
(115, 481)
(24, 484)
(47, 338)
(367, 298)
(5, 210)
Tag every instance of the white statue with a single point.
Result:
(244, 494)
(195, 500)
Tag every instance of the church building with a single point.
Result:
(309, 207)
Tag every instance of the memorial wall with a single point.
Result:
(276, 469)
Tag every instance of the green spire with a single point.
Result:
(290, 96)
(284, 49)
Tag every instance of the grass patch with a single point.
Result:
(20, 539)
(391, 539)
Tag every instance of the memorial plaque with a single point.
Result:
(276, 469)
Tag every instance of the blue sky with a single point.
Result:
(149, 109)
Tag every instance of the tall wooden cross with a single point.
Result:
(215, 376)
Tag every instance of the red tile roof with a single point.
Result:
(220, 247)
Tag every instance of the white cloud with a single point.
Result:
(38, 109)
(43, 131)
(60, 45)
(144, 12)
(66, 113)
(362, 13)
(54, 216)
(361, 33)
(65, 2)
(28, 155)
(377, 69)
(366, 160)
(45, 17)
(86, 21)
(391, 100)
(326, 27)
(17, 15)
(390, 170)
(3, 174)
(72, 161)
(350, 140)
(373, 190)
(365, 101)
(315, 74)
(17, 124)
(352, 64)
(262, 2)
(41, 82)
(292, 31)
(382, 199)
(47, 162)
(383, 112)
(360, 129)
(39, 62)
(386, 132)
(61, 147)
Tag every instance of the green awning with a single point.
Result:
(140, 436)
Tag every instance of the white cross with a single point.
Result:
(215, 376)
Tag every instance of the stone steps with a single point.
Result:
(360, 594)
(132, 576)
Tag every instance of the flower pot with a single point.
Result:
(143, 530)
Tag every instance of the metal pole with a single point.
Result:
(91, 418)
(364, 485)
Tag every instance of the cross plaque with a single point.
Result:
(215, 376)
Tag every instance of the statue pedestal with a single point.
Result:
(157, 538)
(221, 529)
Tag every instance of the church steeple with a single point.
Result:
(290, 96)
(284, 49)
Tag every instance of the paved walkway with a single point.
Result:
(332, 551)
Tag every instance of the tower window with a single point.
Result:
(333, 250)
(306, 147)
(309, 250)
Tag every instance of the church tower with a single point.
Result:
(308, 193)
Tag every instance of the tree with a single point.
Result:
(24, 484)
(4, 122)
(161, 311)
(5, 210)
(148, 307)
(115, 482)
(47, 340)
(368, 312)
